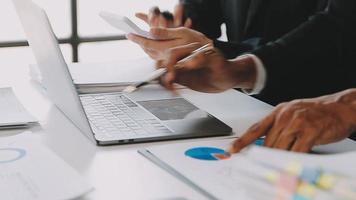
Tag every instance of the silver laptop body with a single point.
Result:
(150, 114)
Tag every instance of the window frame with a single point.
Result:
(74, 39)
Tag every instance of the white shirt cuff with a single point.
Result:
(261, 76)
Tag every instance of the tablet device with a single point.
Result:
(124, 24)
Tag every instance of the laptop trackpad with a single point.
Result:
(173, 109)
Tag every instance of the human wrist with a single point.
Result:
(347, 96)
(243, 72)
(348, 99)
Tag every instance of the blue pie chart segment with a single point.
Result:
(205, 153)
(9, 155)
(260, 142)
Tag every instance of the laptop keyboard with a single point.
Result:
(113, 116)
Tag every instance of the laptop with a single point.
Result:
(151, 114)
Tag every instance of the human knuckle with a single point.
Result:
(152, 55)
(157, 31)
(195, 62)
(254, 127)
(172, 54)
(145, 43)
(301, 113)
(182, 29)
(298, 121)
(287, 134)
(281, 105)
(297, 101)
(240, 142)
(174, 51)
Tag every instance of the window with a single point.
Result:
(14, 62)
(77, 24)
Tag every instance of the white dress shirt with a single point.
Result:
(261, 76)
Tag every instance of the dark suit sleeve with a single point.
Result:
(353, 136)
(232, 49)
(315, 59)
(206, 16)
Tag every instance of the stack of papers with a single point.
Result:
(205, 167)
(28, 170)
(13, 114)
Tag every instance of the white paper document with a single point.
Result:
(28, 170)
(105, 76)
(12, 113)
(238, 177)
(112, 73)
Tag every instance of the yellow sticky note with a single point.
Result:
(306, 190)
(272, 177)
(326, 181)
(294, 168)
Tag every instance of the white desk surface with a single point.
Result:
(119, 172)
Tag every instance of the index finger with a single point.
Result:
(252, 134)
(174, 54)
(153, 15)
(142, 16)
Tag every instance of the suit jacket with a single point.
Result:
(317, 58)
(249, 23)
(253, 23)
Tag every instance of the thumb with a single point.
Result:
(188, 23)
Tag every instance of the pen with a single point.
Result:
(161, 71)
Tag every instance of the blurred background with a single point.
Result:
(82, 34)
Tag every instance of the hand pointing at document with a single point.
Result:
(301, 124)
(297, 126)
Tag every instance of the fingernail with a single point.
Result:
(175, 92)
(156, 11)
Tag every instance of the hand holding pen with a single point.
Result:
(206, 70)
(163, 70)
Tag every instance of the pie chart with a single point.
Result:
(8, 155)
(212, 153)
(207, 153)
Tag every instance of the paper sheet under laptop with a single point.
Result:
(227, 179)
(28, 170)
(106, 76)
(12, 113)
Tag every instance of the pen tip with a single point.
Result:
(130, 89)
